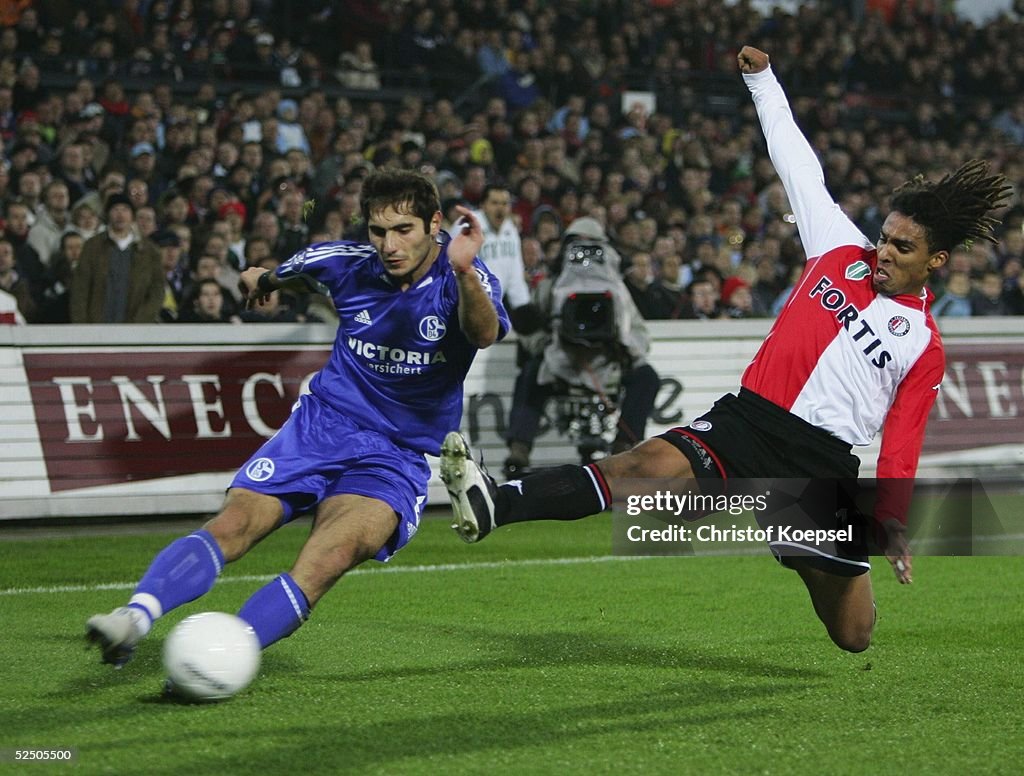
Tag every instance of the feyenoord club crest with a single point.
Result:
(700, 425)
(899, 326)
(858, 270)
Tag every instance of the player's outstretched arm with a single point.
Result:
(822, 224)
(477, 316)
(257, 284)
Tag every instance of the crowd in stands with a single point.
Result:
(144, 204)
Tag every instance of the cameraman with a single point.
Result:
(552, 362)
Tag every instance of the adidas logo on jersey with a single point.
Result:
(364, 318)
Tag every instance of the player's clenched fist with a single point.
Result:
(752, 60)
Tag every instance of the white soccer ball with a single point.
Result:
(211, 656)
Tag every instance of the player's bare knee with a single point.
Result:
(853, 642)
(624, 464)
(652, 458)
(854, 637)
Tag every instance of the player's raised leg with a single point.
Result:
(845, 605)
(348, 530)
(183, 571)
(559, 493)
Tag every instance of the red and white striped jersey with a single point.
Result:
(841, 356)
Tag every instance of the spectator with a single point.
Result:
(357, 69)
(145, 221)
(143, 165)
(29, 186)
(173, 208)
(55, 307)
(119, 278)
(294, 230)
(671, 301)
(52, 221)
(26, 260)
(209, 267)
(74, 172)
(987, 298)
(639, 277)
(256, 250)
(112, 181)
(234, 213)
(175, 272)
(955, 301)
(208, 305)
(528, 199)
(85, 216)
(704, 297)
(502, 252)
(533, 261)
(491, 56)
(138, 192)
(299, 169)
(518, 84)
(290, 133)
(230, 265)
(738, 299)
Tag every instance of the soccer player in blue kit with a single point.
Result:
(414, 307)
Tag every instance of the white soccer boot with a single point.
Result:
(472, 490)
(116, 634)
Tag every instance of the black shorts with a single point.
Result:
(811, 475)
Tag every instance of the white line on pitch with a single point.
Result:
(357, 572)
(483, 565)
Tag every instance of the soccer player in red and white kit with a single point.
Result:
(854, 352)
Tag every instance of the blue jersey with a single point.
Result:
(399, 357)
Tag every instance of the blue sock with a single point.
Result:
(183, 571)
(276, 610)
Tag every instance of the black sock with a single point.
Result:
(563, 493)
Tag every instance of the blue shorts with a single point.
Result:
(319, 453)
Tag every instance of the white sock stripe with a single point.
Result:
(597, 487)
(213, 552)
(148, 602)
(291, 597)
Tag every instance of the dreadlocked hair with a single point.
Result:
(957, 208)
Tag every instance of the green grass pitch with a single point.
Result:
(531, 653)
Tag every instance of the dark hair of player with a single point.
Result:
(404, 190)
(958, 208)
